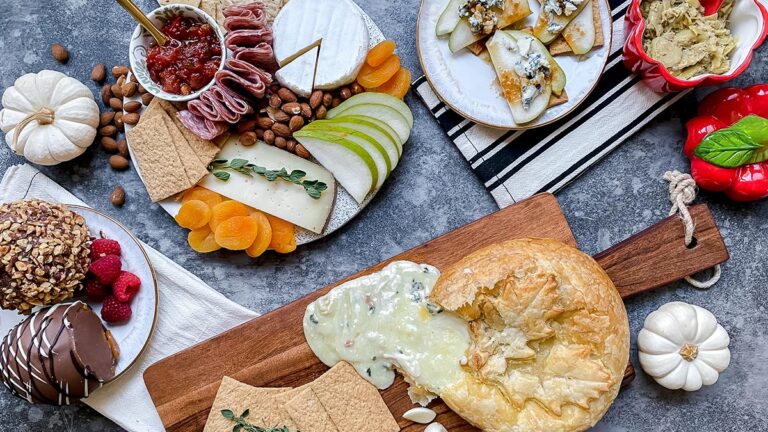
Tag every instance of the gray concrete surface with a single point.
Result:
(433, 192)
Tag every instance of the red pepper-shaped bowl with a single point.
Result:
(748, 24)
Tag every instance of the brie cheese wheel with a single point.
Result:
(299, 75)
(340, 29)
(279, 198)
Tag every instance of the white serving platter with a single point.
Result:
(345, 207)
(467, 83)
(133, 336)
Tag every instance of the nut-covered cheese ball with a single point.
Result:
(44, 254)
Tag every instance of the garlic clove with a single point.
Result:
(420, 415)
(435, 427)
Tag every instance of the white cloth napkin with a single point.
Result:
(184, 298)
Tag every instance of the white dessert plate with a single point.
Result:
(133, 336)
(467, 83)
(345, 208)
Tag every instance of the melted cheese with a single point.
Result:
(384, 322)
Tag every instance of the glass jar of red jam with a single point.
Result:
(189, 61)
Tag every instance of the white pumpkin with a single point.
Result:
(683, 347)
(54, 116)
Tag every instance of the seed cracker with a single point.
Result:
(205, 150)
(160, 166)
(195, 169)
(306, 410)
(265, 410)
(353, 403)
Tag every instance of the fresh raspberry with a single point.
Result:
(106, 269)
(103, 247)
(126, 286)
(95, 290)
(114, 311)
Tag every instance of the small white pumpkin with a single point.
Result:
(683, 347)
(49, 117)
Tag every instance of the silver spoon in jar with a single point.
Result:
(142, 19)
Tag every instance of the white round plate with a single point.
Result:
(468, 84)
(133, 336)
(345, 208)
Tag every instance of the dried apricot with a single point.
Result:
(202, 240)
(200, 193)
(370, 77)
(283, 235)
(237, 233)
(380, 53)
(193, 214)
(226, 210)
(263, 238)
(398, 85)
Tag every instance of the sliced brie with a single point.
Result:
(279, 198)
(299, 75)
(341, 30)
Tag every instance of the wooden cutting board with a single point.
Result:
(270, 351)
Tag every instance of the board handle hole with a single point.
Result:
(693, 244)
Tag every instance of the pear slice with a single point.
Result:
(462, 36)
(449, 18)
(580, 33)
(511, 48)
(371, 130)
(375, 98)
(350, 164)
(381, 125)
(383, 113)
(549, 25)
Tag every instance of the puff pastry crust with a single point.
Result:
(549, 337)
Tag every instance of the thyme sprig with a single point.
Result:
(219, 168)
(242, 425)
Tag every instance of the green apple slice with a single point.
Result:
(371, 130)
(383, 113)
(504, 48)
(549, 25)
(374, 98)
(580, 33)
(449, 18)
(462, 36)
(381, 125)
(352, 166)
(377, 152)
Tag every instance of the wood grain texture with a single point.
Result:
(271, 351)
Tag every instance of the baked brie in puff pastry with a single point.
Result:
(526, 335)
(549, 337)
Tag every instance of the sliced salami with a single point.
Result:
(260, 56)
(248, 38)
(200, 126)
(244, 79)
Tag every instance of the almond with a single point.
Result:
(315, 99)
(142, 90)
(109, 144)
(106, 94)
(287, 95)
(131, 118)
(321, 112)
(281, 117)
(345, 93)
(290, 145)
(116, 104)
(109, 131)
(132, 106)
(119, 70)
(122, 148)
(269, 137)
(99, 73)
(306, 110)
(118, 162)
(118, 196)
(146, 98)
(247, 139)
(59, 53)
(281, 130)
(336, 102)
(275, 101)
(301, 151)
(247, 126)
(356, 88)
(260, 134)
(327, 99)
(129, 89)
(117, 90)
(265, 122)
(119, 121)
(296, 123)
(292, 108)
(281, 142)
(106, 118)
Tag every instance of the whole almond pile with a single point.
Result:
(287, 113)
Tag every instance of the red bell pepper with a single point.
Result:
(721, 110)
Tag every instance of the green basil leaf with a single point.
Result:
(228, 414)
(754, 126)
(727, 148)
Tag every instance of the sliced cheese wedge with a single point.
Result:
(279, 198)
(299, 75)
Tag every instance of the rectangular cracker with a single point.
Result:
(555, 100)
(160, 166)
(204, 149)
(353, 403)
(265, 410)
(194, 168)
(193, 3)
(306, 410)
(560, 46)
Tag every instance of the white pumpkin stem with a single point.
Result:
(689, 352)
(682, 192)
(43, 116)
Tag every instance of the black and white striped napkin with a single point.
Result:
(515, 165)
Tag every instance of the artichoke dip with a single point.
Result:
(685, 41)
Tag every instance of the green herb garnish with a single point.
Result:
(242, 425)
(219, 169)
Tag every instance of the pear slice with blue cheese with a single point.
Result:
(450, 18)
(580, 33)
(555, 16)
(527, 73)
(464, 35)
